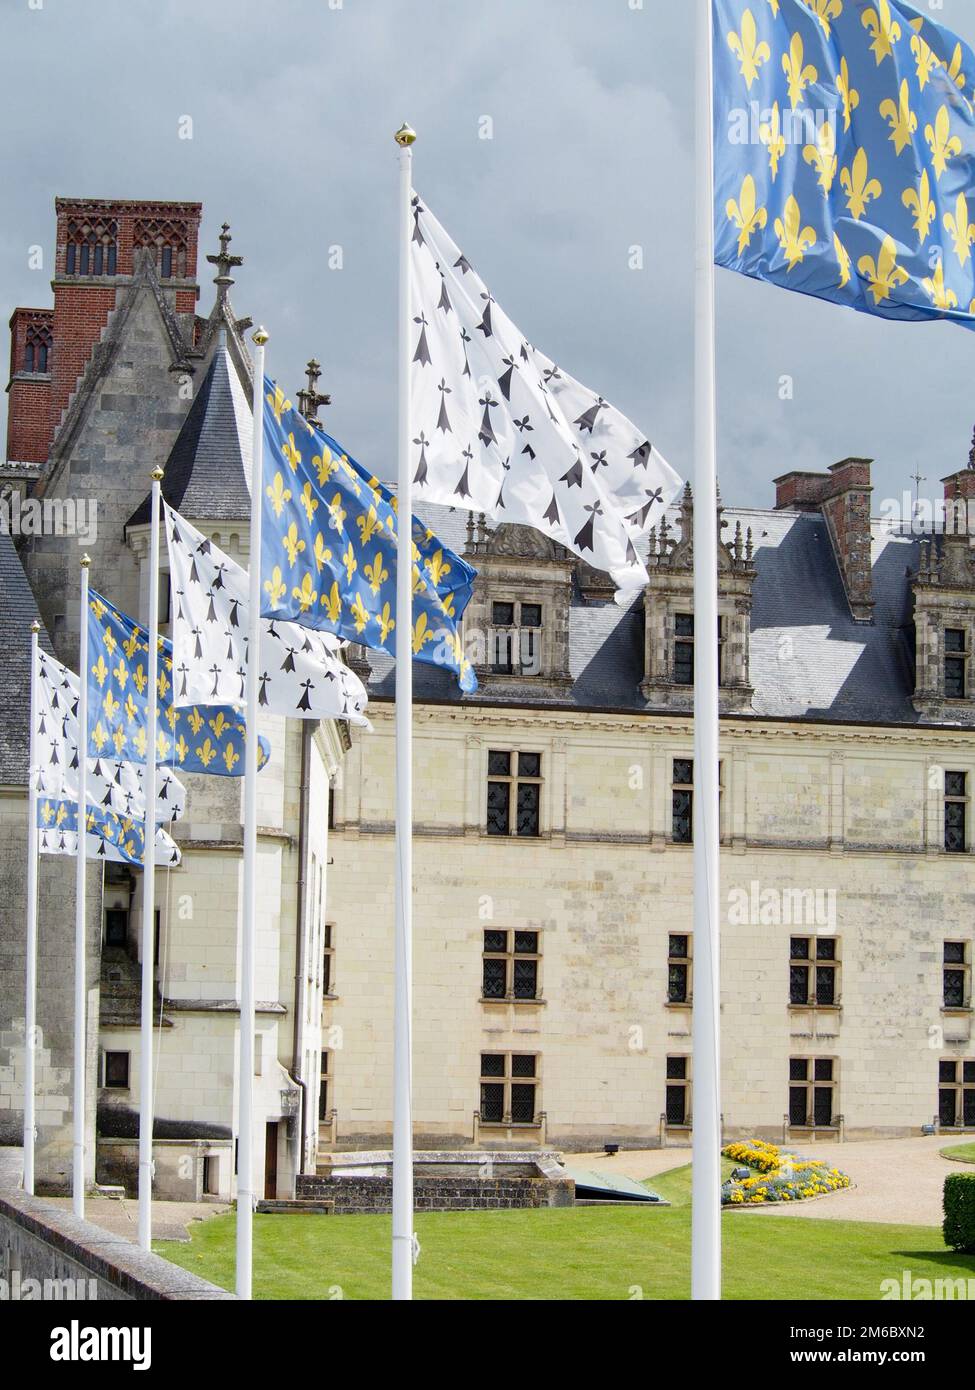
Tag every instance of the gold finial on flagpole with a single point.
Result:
(35, 626)
(261, 336)
(405, 136)
(85, 561)
(157, 474)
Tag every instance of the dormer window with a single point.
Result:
(516, 638)
(956, 658)
(684, 649)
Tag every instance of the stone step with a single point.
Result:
(310, 1206)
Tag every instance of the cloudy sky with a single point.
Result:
(588, 106)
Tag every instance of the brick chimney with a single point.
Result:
(98, 248)
(960, 484)
(29, 409)
(843, 496)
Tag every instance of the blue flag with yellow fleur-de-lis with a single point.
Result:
(844, 142)
(204, 738)
(109, 835)
(328, 549)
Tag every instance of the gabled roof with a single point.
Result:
(808, 658)
(207, 476)
(17, 611)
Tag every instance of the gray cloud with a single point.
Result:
(294, 104)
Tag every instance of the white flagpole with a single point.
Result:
(80, 983)
(30, 1012)
(706, 1074)
(245, 1104)
(149, 887)
(403, 1240)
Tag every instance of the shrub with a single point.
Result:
(959, 1201)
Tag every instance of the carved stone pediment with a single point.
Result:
(521, 542)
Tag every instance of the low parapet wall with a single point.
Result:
(47, 1253)
(443, 1180)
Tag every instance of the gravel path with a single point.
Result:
(896, 1180)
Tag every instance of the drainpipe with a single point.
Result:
(297, 1046)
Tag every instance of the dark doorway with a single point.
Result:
(271, 1161)
(209, 1176)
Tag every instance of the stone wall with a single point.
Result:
(356, 1196)
(851, 819)
(42, 1242)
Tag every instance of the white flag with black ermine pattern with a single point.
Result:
(302, 673)
(499, 428)
(113, 784)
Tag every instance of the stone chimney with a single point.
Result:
(842, 494)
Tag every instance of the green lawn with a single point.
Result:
(571, 1253)
(964, 1153)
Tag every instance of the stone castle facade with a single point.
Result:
(554, 952)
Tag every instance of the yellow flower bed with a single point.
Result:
(780, 1177)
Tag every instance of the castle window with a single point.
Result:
(514, 793)
(812, 1092)
(679, 970)
(813, 969)
(37, 349)
(682, 821)
(956, 812)
(509, 1088)
(516, 638)
(684, 649)
(328, 958)
(166, 240)
(956, 1095)
(956, 659)
(91, 247)
(323, 1087)
(117, 1071)
(510, 965)
(956, 992)
(678, 1097)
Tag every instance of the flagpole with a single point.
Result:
(245, 1107)
(403, 1240)
(146, 1036)
(80, 943)
(30, 1012)
(706, 1073)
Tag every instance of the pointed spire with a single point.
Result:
(971, 452)
(224, 262)
(309, 397)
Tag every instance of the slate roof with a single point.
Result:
(17, 611)
(809, 659)
(207, 475)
